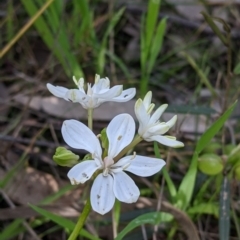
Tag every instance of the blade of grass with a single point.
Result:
(186, 188)
(171, 187)
(200, 73)
(10, 229)
(54, 35)
(25, 28)
(101, 56)
(156, 44)
(224, 210)
(151, 19)
(63, 222)
(214, 27)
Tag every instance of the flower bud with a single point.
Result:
(237, 172)
(104, 139)
(233, 153)
(212, 147)
(64, 157)
(210, 164)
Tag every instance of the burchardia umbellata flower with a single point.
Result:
(150, 127)
(95, 95)
(111, 181)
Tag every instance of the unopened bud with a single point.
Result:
(64, 157)
(210, 164)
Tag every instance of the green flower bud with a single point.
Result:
(233, 154)
(104, 139)
(237, 172)
(228, 148)
(210, 164)
(212, 147)
(88, 157)
(64, 157)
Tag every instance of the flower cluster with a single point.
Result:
(95, 95)
(109, 167)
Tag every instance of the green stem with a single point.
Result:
(87, 208)
(81, 220)
(90, 118)
(135, 141)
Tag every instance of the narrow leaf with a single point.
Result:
(186, 188)
(63, 222)
(224, 210)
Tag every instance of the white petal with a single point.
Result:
(120, 133)
(102, 196)
(125, 96)
(79, 136)
(166, 140)
(142, 116)
(83, 171)
(172, 121)
(158, 129)
(109, 94)
(145, 166)
(100, 84)
(75, 95)
(123, 162)
(124, 188)
(57, 91)
(147, 100)
(157, 114)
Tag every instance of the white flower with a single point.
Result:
(111, 182)
(150, 128)
(97, 94)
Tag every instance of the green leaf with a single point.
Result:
(8, 231)
(237, 69)
(101, 56)
(156, 44)
(205, 208)
(200, 73)
(214, 129)
(54, 34)
(214, 27)
(186, 188)
(63, 222)
(148, 218)
(171, 187)
(224, 210)
(151, 19)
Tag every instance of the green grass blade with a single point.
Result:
(151, 19)
(57, 195)
(200, 73)
(101, 56)
(214, 129)
(171, 187)
(10, 229)
(224, 210)
(205, 208)
(156, 44)
(148, 218)
(55, 37)
(186, 188)
(63, 222)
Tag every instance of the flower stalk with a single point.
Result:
(81, 220)
(87, 207)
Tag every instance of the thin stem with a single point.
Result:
(87, 208)
(25, 28)
(81, 220)
(135, 141)
(90, 118)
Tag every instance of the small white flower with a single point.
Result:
(112, 182)
(150, 128)
(95, 95)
